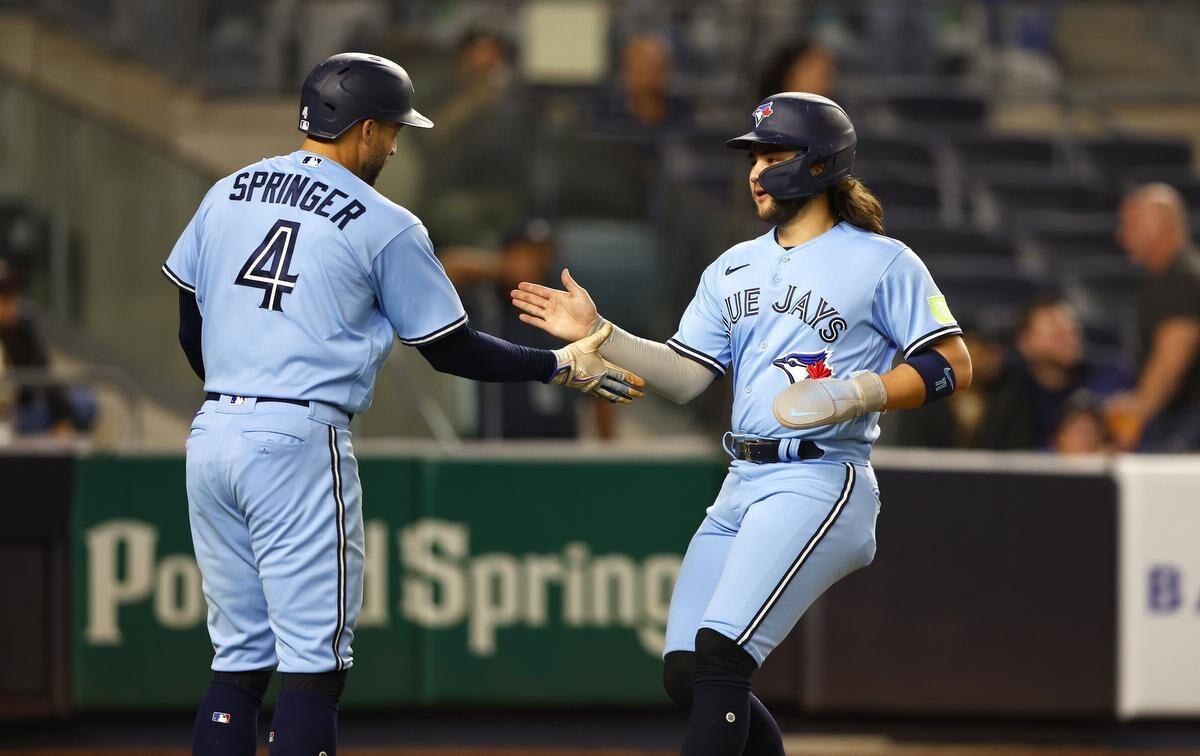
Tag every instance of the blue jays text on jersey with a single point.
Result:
(304, 275)
(844, 301)
(779, 535)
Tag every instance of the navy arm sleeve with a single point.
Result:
(190, 324)
(468, 353)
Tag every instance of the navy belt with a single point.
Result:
(766, 450)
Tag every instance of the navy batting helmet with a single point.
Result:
(352, 87)
(814, 125)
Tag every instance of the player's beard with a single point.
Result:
(373, 165)
(782, 212)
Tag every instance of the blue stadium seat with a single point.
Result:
(618, 262)
(900, 190)
(909, 152)
(1056, 249)
(1103, 289)
(956, 112)
(582, 176)
(1008, 201)
(986, 150)
(949, 242)
(1115, 155)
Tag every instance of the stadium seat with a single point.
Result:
(950, 242)
(619, 263)
(1055, 250)
(1113, 156)
(939, 111)
(701, 161)
(893, 150)
(581, 176)
(1008, 201)
(1029, 152)
(896, 190)
(1103, 289)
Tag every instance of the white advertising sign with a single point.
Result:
(1159, 586)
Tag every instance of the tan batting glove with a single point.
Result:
(581, 367)
(811, 403)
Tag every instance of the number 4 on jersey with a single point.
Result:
(267, 267)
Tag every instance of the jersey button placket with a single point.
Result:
(776, 270)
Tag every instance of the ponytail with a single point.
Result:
(850, 200)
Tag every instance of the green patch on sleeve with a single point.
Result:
(940, 310)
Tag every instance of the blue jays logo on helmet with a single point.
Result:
(799, 366)
(762, 111)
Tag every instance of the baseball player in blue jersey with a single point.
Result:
(295, 276)
(811, 316)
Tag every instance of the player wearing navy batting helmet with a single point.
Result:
(295, 278)
(810, 315)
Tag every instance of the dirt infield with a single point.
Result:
(616, 733)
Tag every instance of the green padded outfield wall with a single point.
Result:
(488, 581)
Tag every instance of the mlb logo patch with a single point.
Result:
(221, 717)
(312, 160)
(762, 111)
(800, 366)
(304, 119)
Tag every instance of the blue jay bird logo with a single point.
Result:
(762, 111)
(800, 366)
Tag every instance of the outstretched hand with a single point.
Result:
(569, 315)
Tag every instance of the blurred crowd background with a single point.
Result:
(1039, 156)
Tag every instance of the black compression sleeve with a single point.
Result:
(190, 323)
(468, 353)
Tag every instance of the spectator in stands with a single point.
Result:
(1162, 413)
(42, 408)
(485, 278)
(1046, 367)
(483, 78)
(801, 66)
(1082, 428)
(642, 108)
(477, 161)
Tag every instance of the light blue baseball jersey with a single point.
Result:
(844, 301)
(304, 274)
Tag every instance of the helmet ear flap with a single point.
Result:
(796, 179)
(792, 179)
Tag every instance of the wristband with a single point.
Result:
(936, 373)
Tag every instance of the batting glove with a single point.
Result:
(811, 403)
(581, 367)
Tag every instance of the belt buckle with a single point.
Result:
(741, 449)
(752, 451)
